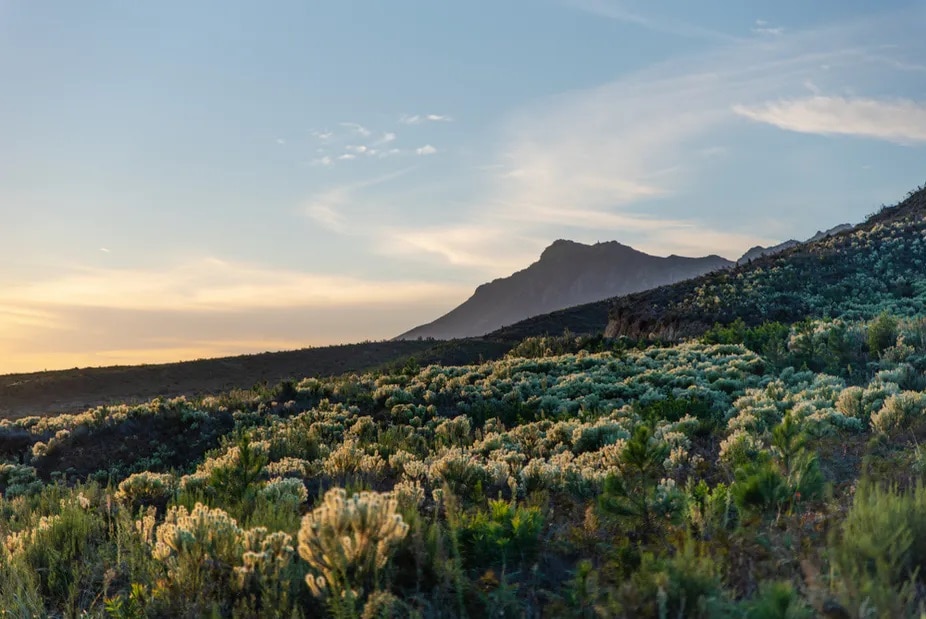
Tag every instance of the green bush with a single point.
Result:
(504, 535)
(882, 333)
(879, 552)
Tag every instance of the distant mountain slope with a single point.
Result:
(758, 251)
(856, 272)
(567, 274)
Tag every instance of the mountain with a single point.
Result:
(758, 251)
(567, 274)
(853, 273)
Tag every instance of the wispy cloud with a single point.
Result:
(332, 208)
(763, 27)
(325, 209)
(482, 246)
(901, 121)
(601, 163)
(357, 129)
(427, 149)
(417, 119)
(620, 10)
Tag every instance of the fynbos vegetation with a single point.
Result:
(761, 469)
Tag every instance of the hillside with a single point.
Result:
(758, 251)
(856, 273)
(76, 390)
(567, 274)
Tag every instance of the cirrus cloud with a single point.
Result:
(901, 121)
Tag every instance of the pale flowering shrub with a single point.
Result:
(146, 488)
(285, 492)
(415, 469)
(739, 447)
(347, 540)
(350, 458)
(850, 403)
(455, 431)
(206, 553)
(900, 412)
(264, 562)
(458, 469)
(292, 467)
(594, 436)
(189, 540)
(538, 474)
(399, 459)
(409, 493)
(19, 542)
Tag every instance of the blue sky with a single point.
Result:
(180, 180)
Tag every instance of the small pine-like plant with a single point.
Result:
(631, 494)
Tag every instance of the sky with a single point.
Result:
(182, 180)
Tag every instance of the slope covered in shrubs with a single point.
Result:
(768, 471)
(874, 267)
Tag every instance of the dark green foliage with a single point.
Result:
(882, 333)
(710, 510)
(778, 600)
(790, 476)
(880, 550)
(631, 495)
(688, 584)
(236, 484)
(760, 487)
(505, 535)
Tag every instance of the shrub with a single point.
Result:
(633, 494)
(200, 548)
(504, 534)
(347, 542)
(146, 488)
(778, 600)
(878, 551)
(285, 492)
(882, 333)
(19, 480)
(900, 412)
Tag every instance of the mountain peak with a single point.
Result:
(567, 274)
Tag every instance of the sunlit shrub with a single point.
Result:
(899, 412)
(347, 541)
(286, 492)
(146, 488)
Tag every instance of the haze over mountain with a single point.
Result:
(567, 274)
